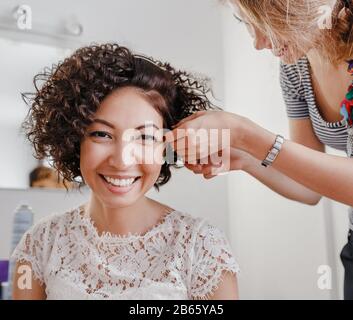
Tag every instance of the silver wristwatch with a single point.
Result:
(273, 153)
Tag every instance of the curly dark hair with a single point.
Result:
(68, 95)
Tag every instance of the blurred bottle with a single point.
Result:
(22, 221)
(4, 270)
(4, 290)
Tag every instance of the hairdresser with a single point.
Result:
(316, 55)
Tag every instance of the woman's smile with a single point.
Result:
(120, 184)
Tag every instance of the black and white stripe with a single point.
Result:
(300, 101)
(301, 104)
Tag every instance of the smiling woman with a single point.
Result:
(75, 89)
(103, 149)
(99, 115)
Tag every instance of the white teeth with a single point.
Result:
(120, 182)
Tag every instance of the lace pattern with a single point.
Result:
(180, 258)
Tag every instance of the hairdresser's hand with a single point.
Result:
(206, 133)
(238, 160)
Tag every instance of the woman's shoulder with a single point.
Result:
(294, 79)
(36, 245)
(209, 255)
(54, 221)
(293, 73)
(302, 63)
(184, 219)
(199, 226)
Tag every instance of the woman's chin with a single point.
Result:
(119, 202)
(291, 58)
(287, 60)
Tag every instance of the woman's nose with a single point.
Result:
(262, 42)
(121, 156)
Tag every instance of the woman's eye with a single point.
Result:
(100, 134)
(240, 20)
(147, 137)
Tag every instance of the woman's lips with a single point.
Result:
(119, 189)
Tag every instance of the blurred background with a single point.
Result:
(279, 244)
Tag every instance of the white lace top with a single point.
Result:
(180, 258)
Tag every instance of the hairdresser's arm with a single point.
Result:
(328, 175)
(25, 286)
(272, 178)
(324, 174)
(301, 132)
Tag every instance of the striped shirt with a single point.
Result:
(300, 102)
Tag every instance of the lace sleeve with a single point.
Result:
(32, 248)
(212, 256)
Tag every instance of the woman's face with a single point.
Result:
(122, 152)
(286, 51)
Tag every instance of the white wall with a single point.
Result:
(279, 243)
(20, 62)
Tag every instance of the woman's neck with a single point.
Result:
(135, 219)
(330, 83)
(318, 62)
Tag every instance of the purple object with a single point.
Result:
(4, 270)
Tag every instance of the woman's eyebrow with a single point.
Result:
(147, 125)
(104, 122)
(143, 126)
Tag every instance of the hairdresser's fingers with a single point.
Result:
(179, 130)
(183, 137)
(212, 170)
(192, 143)
(209, 161)
(189, 118)
(193, 157)
(204, 158)
(174, 135)
(205, 166)
(200, 165)
(215, 172)
(209, 177)
(196, 168)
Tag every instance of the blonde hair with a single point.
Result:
(322, 24)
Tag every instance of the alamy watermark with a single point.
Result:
(201, 146)
(23, 16)
(24, 280)
(324, 281)
(325, 18)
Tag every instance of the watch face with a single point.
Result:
(272, 155)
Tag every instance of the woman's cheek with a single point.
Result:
(151, 173)
(94, 153)
(158, 154)
(151, 162)
(149, 154)
(136, 153)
